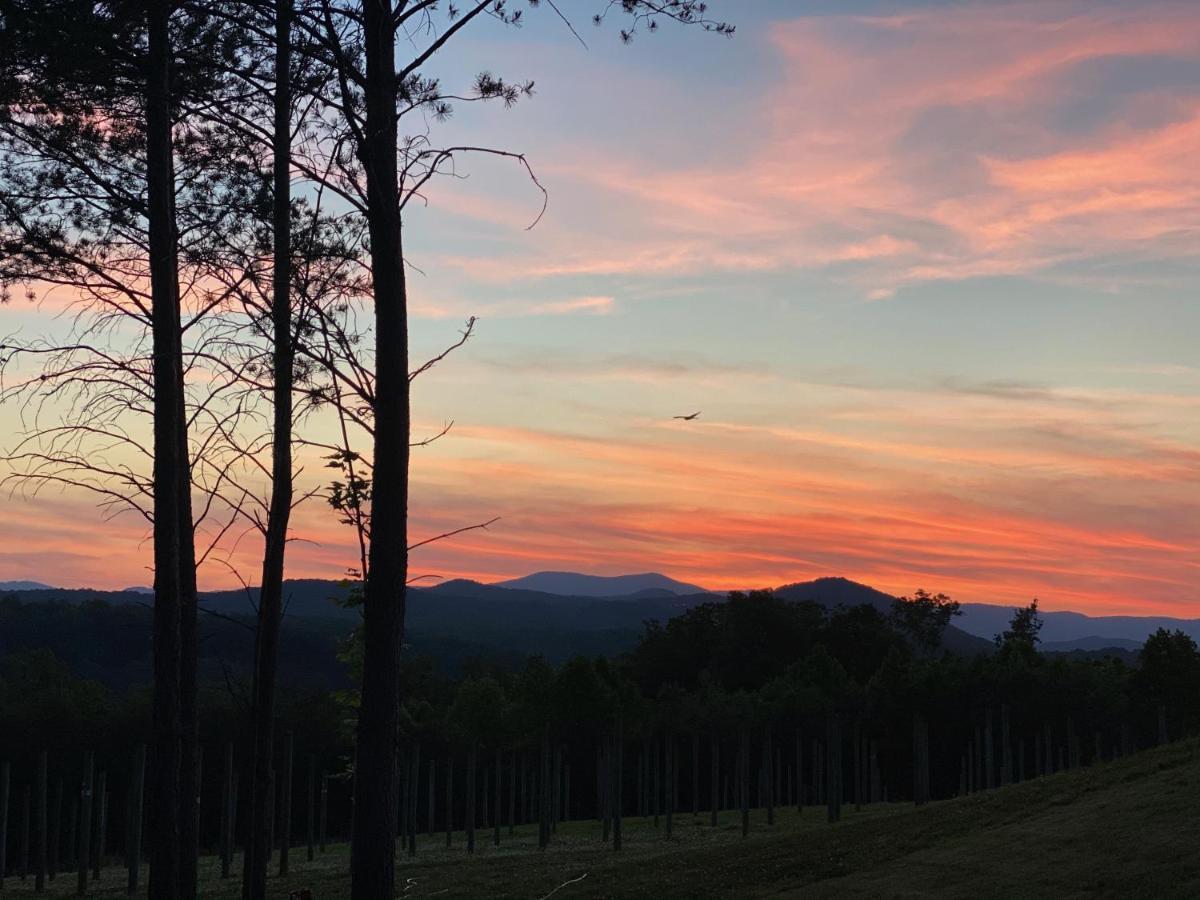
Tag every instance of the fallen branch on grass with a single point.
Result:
(563, 885)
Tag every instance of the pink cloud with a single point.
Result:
(918, 147)
(596, 306)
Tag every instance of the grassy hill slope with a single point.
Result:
(1122, 829)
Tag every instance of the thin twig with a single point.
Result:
(564, 884)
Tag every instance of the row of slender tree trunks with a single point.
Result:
(58, 834)
(61, 826)
(994, 759)
(66, 828)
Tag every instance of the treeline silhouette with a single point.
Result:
(749, 704)
(112, 644)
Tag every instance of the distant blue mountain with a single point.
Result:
(578, 602)
(574, 584)
(1092, 642)
(1059, 627)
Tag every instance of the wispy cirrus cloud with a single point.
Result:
(992, 491)
(977, 140)
(593, 306)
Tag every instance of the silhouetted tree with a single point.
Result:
(1023, 633)
(365, 159)
(923, 618)
(1168, 676)
(88, 201)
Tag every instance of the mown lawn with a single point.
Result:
(1124, 829)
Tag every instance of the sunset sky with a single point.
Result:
(929, 271)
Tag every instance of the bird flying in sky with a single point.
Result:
(687, 418)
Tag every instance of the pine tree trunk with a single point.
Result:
(272, 809)
(227, 813)
(470, 807)
(414, 781)
(554, 796)
(85, 830)
(799, 772)
(285, 803)
(5, 779)
(431, 815)
(324, 823)
(484, 821)
(26, 794)
(101, 820)
(599, 782)
(55, 828)
(310, 829)
(779, 780)
(512, 792)
(543, 793)
(404, 798)
(496, 803)
(818, 774)
(714, 785)
(1006, 761)
(524, 799)
(168, 465)
(566, 804)
(669, 762)
(744, 779)
(449, 800)
(270, 606)
(916, 759)
(876, 779)
(373, 853)
(618, 784)
(656, 779)
(643, 783)
(989, 752)
(695, 775)
(72, 843)
(604, 788)
(137, 803)
(867, 771)
(769, 769)
(833, 773)
(189, 748)
(856, 769)
(40, 797)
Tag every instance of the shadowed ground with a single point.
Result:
(1124, 829)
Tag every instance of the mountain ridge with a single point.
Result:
(25, 586)
(323, 599)
(578, 584)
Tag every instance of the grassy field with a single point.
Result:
(1123, 829)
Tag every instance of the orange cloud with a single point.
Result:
(994, 492)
